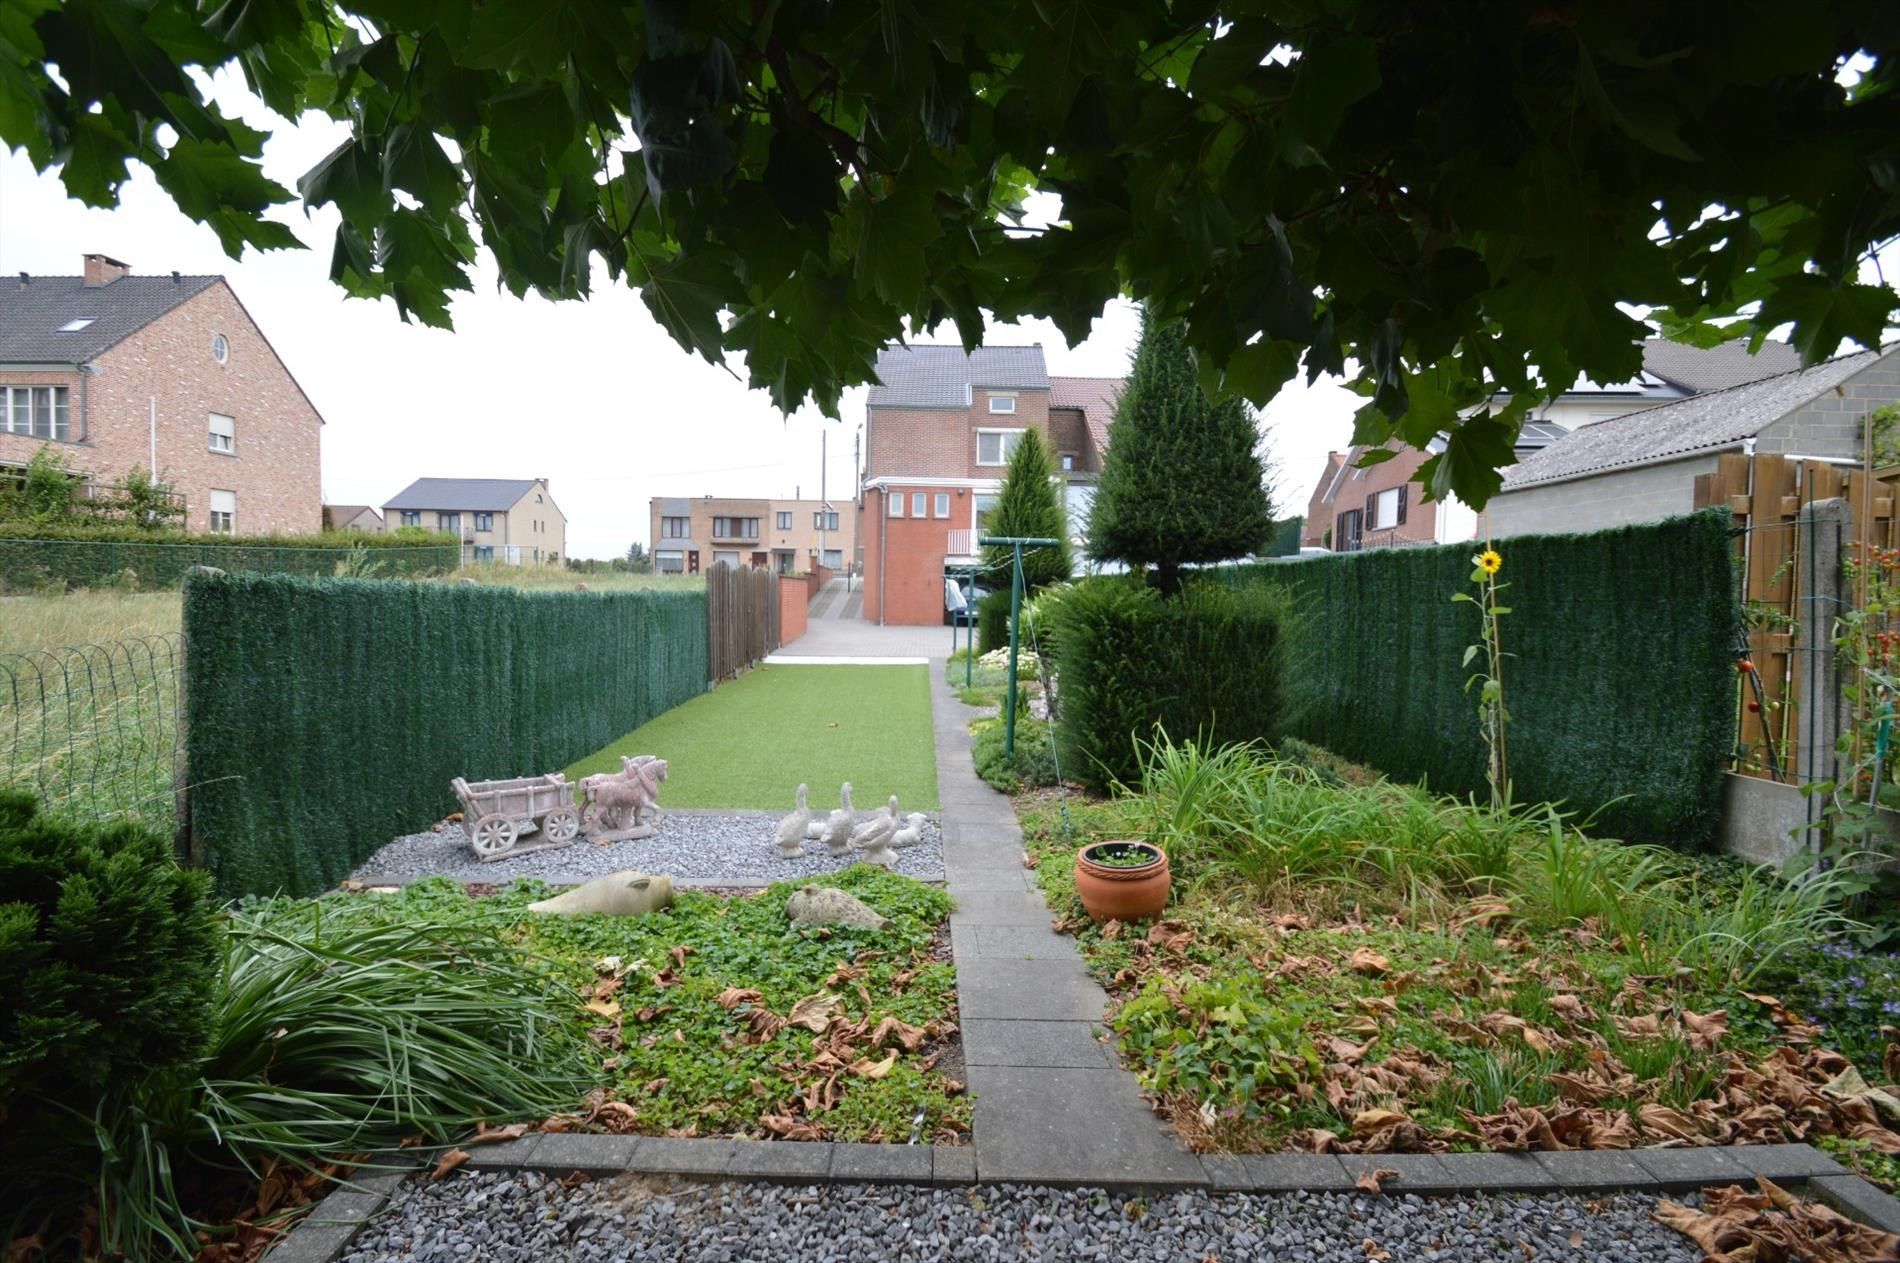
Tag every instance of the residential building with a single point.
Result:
(939, 430)
(1384, 505)
(352, 517)
(166, 373)
(1642, 466)
(690, 535)
(513, 521)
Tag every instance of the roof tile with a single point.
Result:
(32, 311)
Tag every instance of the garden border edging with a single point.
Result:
(325, 1235)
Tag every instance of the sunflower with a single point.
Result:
(1489, 561)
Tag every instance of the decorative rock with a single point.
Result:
(838, 826)
(791, 830)
(625, 894)
(827, 905)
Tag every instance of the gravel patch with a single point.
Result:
(734, 848)
(527, 1218)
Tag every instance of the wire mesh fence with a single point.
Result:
(33, 564)
(92, 730)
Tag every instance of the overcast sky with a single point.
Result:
(593, 396)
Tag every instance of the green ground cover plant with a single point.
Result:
(749, 742)
(1358, 965)
(696, 1028)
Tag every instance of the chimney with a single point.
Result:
(103, 270)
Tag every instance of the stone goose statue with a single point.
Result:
(837, 835)
(911, 834)
(873, 837)
(791, 830)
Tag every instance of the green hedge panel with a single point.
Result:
(127, 558)
(1620, 680)
(326, 716)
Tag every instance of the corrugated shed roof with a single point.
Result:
(942, 376)
(1095, 396)
(478, 495)
(1700, 423)
(32, 313)
(1718, 367)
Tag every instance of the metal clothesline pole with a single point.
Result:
(1018, 543)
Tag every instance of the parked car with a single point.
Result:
(973, 595)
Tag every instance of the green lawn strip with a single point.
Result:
(1242, 1050)
(684, 1064)
(749, 742)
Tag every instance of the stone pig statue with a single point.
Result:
(624, 894)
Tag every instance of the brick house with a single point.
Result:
(939, 431)
(1384, 505)
(690, 535)
(168, 373)
(1642, 467)
(513, 521)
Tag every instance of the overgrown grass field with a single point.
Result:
(751, 741)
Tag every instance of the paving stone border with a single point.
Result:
(325, 1234)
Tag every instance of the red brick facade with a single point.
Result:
(273, 469)
(1345, 511)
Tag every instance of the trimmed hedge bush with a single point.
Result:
(1620, 678)
(325, 717)
(1204, 665)
(108, 960)
(34, 557)
(992, 622)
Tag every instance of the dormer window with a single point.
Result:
(76, 324)
(1002, 405)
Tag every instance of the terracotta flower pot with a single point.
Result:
(1122, 892)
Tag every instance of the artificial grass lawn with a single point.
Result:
(749, 742)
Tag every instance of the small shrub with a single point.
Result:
(992, 622)
(1203, 666)
(1033, 765)
(108, 960)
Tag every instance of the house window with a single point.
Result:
(917, 499)
(223, 512)
(994, 447)
(721, 557)
(1003, 405)
(785, 520)
(220, 348)
(894, 503)
(484, 521)
(75, 325)
(1386, 509)
(736, 527)
(223, 433)
(824, 520)
(448, 521)
(412, 517)
(943, 504)
(1068, 460)
(36, 410)
(834, 558)
(484, 552)
(537, 497)
(674, 527)
(984, 506)
(669, 563)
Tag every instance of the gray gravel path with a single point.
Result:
(528, 1218)
(734, 848)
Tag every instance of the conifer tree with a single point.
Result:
(1182, 481)
(1029, 506)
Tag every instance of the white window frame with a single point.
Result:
(1003, 445)
(227, 432)
(220, 348)
(1384, 501)
(21, 412)
(1002, 403)
(942, 506)
(920, 504)
(228, 526)
(894, 503)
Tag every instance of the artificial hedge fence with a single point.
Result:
(324, 717)
(33, 559)
(1620, 681)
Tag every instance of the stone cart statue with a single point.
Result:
(495, 814)
(624, 805)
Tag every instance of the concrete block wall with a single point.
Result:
(1647, 493)
(1831, 424)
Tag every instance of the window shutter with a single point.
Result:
(1371, 519)
(1403, 488)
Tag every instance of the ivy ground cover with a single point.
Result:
(1367, 968)
(716, 1017)
(749, 742)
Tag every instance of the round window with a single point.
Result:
(220, 349)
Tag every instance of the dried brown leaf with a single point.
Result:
(1368, 1181)
(815, 1012)
(1366, 961)
(448, 1162)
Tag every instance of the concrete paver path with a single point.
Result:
(1052, 1103)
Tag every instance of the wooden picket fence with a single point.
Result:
(741, 618)
(1766, 493)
